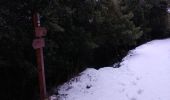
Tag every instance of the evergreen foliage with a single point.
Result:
(151, 16)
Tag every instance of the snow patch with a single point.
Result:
(144, 75)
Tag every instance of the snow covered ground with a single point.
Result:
(144, 75)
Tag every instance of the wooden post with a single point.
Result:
(38, 44)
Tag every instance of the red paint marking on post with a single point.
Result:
(38, 45)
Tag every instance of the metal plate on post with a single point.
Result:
(38, 43)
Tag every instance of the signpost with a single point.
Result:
(38, 44)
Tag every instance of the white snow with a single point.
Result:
(168, 10)
(144, 75)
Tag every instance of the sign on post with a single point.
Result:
(40, 31)
(38, 44)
